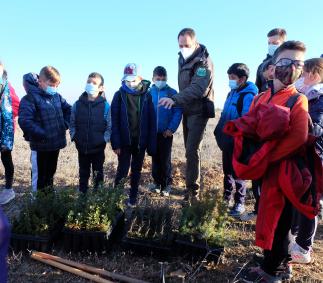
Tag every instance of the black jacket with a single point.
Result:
(261, 82)
(90, 125)
(195, 81)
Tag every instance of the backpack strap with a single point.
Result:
(240, 102)
(292, 100)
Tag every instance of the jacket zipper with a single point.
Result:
(88, 129)
(127, 116)
(51, 103)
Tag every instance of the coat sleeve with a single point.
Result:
(107, 133)
(115, 122)
(72, 128)
(152, 131)
(297, 134)
(15, 101)
(28, 122)
(66, 108)
(7, 128)
(197, 89)
(259, 78)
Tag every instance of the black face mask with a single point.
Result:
(287, 75)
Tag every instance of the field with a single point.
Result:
(235, 257)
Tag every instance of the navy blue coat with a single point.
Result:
(315, 109)
(120, 136)
(43, 118)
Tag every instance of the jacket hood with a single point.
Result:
(84, 98)
(315, 91)
(249, 87)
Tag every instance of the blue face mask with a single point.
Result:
(51, 90)
(233, 84)
(160, 84)
(92, 89)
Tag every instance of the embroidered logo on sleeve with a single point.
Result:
(201, 72)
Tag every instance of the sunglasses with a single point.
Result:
(286, 62)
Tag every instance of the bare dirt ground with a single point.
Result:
(240, 252)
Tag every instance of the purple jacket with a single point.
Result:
(4, 243)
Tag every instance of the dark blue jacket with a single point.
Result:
(43, 118)
(230, 111)
(167, 119)
(90, 125)
(315, 109)
(120, 136)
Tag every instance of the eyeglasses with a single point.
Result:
(285, 62)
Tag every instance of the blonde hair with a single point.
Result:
(51, 74)
(314, 66)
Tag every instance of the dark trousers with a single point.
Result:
(277, 258)
(161, 161)
(304, 229)
(230, 181)
(86, 161)
(6, 159)
(44, 165)
(133, 157)
(256, 189)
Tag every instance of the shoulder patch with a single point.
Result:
(201, 72)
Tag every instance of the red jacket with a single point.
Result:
(256, 138)
(14, 102)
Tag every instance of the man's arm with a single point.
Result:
(197, 89)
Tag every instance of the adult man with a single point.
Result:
(276, 37)
(195, 80)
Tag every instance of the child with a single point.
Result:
(133, 127)
(275, 208)
(311, 84)
(8, 104)
(168, 121)
(236, 105)
(44, 117)
(90, 129)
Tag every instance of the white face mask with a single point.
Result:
(92, 89)
(272, 48)
(300, 86)
(187, 52)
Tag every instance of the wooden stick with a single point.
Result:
(70, 269)
(89, 268)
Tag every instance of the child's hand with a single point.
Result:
(117, 151)
(167, 133)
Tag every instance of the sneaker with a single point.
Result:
(300, 255)
(248, 216)
(237, 210)
(166, 192)
(154, 188)
(6, 196)
(286, 270)
(256, 274)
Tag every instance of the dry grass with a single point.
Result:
(23, 269)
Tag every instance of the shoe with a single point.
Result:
(237, 210)
(166, 191)
(248, 216)
(300, 255)
(256, 274)
(286, 270)
(154, 188)
(6, 196)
